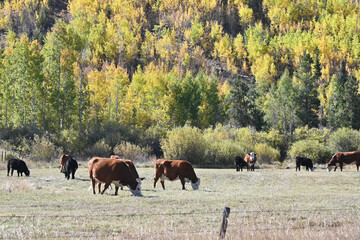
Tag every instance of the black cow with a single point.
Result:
(71, 166)
(239, 163)
(303, 161)
(19, 165)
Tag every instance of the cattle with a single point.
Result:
(239, 163)
(19, 165)
(71, 166)
(250, 159)
(118, 172)
(63, 159)
(173, 170)
(304, 161)
(344, 157)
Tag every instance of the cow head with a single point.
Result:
(252, 156)
(332, 163)
(136, 190)
(27, 173)
(196, 184)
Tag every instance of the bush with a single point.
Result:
(266, 154)
(313, 149)
(185, 143)
(43, 149)
(132, 151)
(100, 149)
(344, 140)
(221, 149)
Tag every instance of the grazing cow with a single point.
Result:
(173, 170)
(303, 161)
(19, 165)
(131, 166)
(344, 157)
(250, 159)
(71, 166)
(63, 159)
(108, 170)
(239, 163)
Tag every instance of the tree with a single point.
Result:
(307, 100)
(243, 111)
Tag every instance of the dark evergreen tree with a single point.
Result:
(307, 98)
(242, 110)
(343, 108)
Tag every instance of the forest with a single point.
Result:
(201, 80)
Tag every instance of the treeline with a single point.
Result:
(80, 73)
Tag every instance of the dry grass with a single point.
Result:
(265, 204)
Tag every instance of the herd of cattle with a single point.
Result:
(122, 172)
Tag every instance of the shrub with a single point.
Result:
(313, 149)
(344, 140)
(70, 142)
(43, 149)
(303, 133)
(221, 149)
(100, 148)
(185, 143)
(266, 153)
(132, 151)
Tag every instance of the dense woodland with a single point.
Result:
(158, 77)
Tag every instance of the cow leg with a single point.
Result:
(105, 187)
(93, 185)
(183, 183)
(335, 168)
(18, 173)
(163, 184)
(73, 174)
(8, 171)
(341, 167)
(155, 180)
(99, 187)
(237, 168)
(116, 190)
(357, 167)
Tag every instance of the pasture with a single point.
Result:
(265, 204)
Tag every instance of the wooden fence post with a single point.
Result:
(224, 223)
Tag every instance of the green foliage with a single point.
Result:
(131, 151)
(266, 153)
(312, 149)
(186, 143)
(43, 149)
(100, 148)
(344, 140)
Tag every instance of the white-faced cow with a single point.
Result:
(173, 170)
(108, 171)
(19, 165)
(344, 157)
(250, 159)
(239, 163)
(304, 161)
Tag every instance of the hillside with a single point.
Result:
(85, 66)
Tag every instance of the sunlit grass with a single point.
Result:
(265, 204)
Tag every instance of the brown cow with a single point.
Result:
(250, 159)
(344, 157)
(173, 170)
(63, 159)
(107, 170)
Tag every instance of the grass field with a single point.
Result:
(265, 204)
